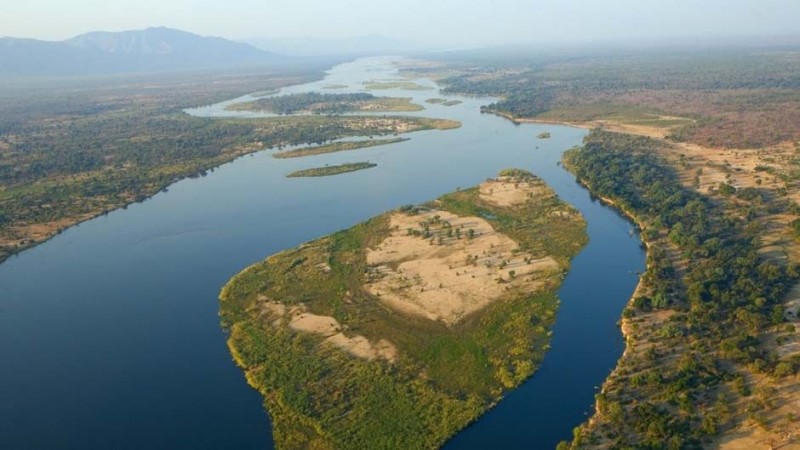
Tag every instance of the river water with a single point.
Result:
(109, 335)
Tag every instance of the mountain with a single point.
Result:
(149, 50)
(312, 46)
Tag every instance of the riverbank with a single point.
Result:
(69, 201)
(704, 170)
(668, 333)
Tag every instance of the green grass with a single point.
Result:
(444, 377)
(326, 171)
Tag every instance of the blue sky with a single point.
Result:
(437, 22)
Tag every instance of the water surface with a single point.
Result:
(109, 334)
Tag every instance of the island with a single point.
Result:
(544, 135)
(316, 103)
(404, 85)
(443, 102)
(266, 93)
(331, 170)
(334, 147)
(402, 330)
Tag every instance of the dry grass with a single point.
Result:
(299, 319)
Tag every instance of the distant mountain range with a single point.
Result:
(149, 50)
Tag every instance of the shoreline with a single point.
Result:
(624, 323)
(57, 227)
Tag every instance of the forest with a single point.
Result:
(708, 298)
(736, 98)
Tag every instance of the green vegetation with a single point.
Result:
(695, 325)
(443, 101)
(72, 151)
(545, 135)
(734, 98)
(331, 170)
(316, 103)
(443, 377)
(404, 85)
(336, 147)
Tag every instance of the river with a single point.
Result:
(109, 334)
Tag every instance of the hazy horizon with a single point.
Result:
(417, 22)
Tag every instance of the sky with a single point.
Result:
(421, 22)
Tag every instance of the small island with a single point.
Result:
(326, 171)
(443, 102)
(544, 135)
(336, 147)
(402, 330)
(266, 93)
(404, 85)
(316, 103)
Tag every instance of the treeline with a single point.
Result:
(670, 396)
(116, 140)
(523, 94)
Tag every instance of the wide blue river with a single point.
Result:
(109, 334)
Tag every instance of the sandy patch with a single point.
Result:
(505, 191)
(437, 275)
(300, 320)
(780, 432)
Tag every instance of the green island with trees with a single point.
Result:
(373, 337)
(695, 323)
(328, 104)
(331, 170)
(334, 147)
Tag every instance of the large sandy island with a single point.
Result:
(438, 265)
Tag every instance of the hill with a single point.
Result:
(100, 53)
